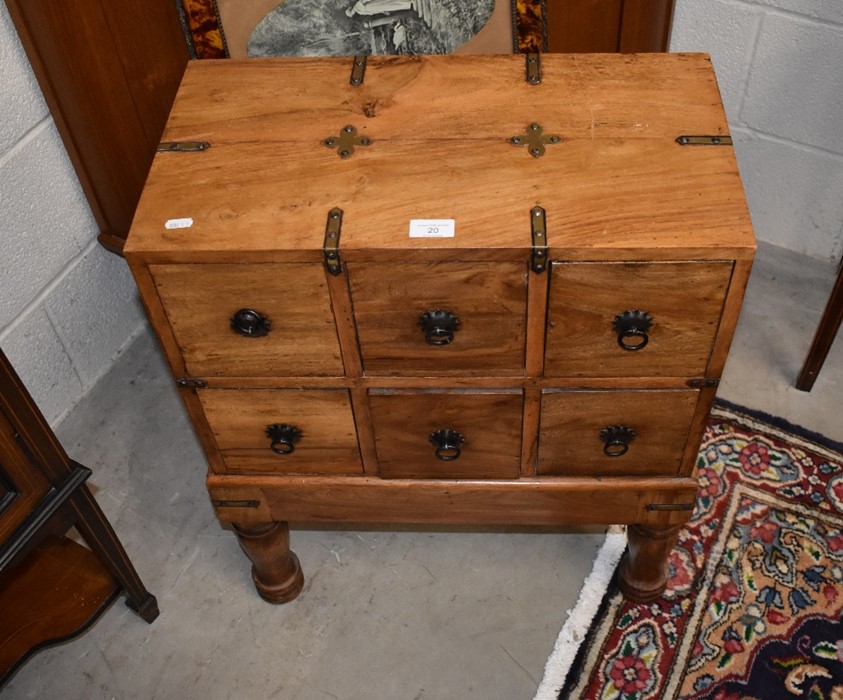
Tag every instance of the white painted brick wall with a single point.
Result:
(780, 68)
(67, 307)
(21, 105)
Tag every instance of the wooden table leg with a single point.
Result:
(101, 538)
(275, 568)
(643, 569)
(824, 337)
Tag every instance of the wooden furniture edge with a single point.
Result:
(656, 501)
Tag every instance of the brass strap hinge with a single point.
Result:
(183, 146)
(191, 383)
(704, 140)
(235, 504)
(533, 63)
(538, 227)
(331, 247)
(703, 383)
(358, 70)
(670, 506)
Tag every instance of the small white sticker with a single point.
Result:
(432, 228)
(178, 223)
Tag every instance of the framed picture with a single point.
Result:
(251, 28)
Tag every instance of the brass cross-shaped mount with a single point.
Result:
(535, 139)
(346, 141)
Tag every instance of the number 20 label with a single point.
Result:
(432, 228)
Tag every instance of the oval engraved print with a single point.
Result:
(374, 27)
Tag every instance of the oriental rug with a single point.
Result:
(754, 604)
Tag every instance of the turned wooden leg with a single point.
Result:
(275, 568)
(643, 569)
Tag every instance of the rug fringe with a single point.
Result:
(576, 627)
(738, 412)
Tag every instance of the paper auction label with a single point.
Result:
(432, 228)
(178, 223)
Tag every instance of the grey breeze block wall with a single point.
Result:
(68, 307)
(780, 68)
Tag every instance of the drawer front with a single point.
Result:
(587, 433)
(480, 327)
(665, 315)
(289, 431)
(411, 429)
(293, 335)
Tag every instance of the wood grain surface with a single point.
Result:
(684, 299)
(489, 299)
(571, 423)
(440, 129)
(466, 502)
(239, 419)
(490, 424)
(200, 301)
(50, 596)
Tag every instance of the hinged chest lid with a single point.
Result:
(627, 155)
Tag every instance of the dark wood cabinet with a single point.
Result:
(109, 73)
(609, 26)
(51, 587)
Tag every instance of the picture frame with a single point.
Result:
(203, 27)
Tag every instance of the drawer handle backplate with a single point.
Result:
(283, 437)
(616, 439)
(439, 326)
(633, 328)
(250, 323)
(447, 442)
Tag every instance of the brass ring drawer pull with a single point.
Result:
(439, 326)
(283, 438)
(447, 442)
(250, 323)
(633, 327)
(616, 439)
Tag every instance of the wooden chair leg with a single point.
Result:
(101, 538)
(827, 330)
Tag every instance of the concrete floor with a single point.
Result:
(431, 614)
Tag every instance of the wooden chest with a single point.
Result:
(494, 290)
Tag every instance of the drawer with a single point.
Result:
(415, 434)
(289, 431)
(665, 315)
(587, 433)
(474, 317)
(205, 302)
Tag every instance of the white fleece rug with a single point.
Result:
(580, 617)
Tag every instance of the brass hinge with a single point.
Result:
(702, 383)
(533, 63)
(538, 227)
(331, 247)
(358, 70)
(235, 504)
(670, 506)
(183, 146)
(191, 383)
(704, 140)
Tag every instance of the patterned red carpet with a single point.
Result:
(754, 608)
